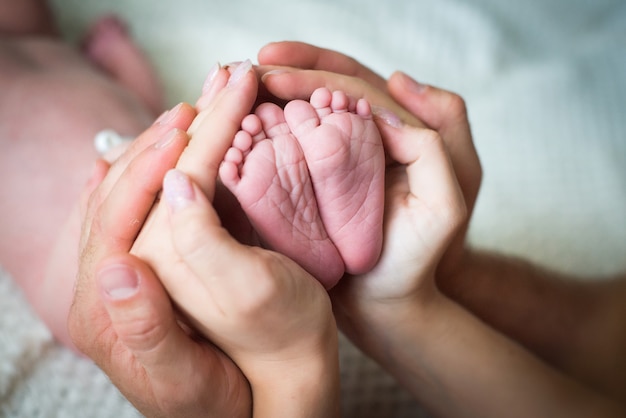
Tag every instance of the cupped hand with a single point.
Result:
(237, 294)
(268, 314)
(121, 316)
(293, 70)
(424, 209)
(432, 179)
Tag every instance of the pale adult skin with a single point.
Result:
(585, 344)
(268, 314)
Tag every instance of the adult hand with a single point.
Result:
(380, 310)
(424, 208)
(270, 316)
(225, 101)
(303, 68)
(445, 113)
(398, 101)
(121, 316)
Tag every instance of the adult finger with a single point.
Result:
(179, 117)
(204, 245)
(145, 329)
(211, 133)
(290, 84)
(230, 290)
(446, 113)
(111, 226)
(309, 57)
(118, 212)
(431, 177)
(122, 213)
(215, 126)
(215, 81)
(100, 170)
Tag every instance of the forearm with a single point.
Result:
(455, 365)
(22, 17)
(578, 326)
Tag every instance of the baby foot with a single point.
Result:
(343, 150)
(310, 173)
(266, 171)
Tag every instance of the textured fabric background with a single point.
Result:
(545, 84)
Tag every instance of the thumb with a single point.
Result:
(438, 108)
(184, 377)
(446, 113)
(142, 315)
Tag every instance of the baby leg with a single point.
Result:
(344, 153)
(266, 170)
(110, 47)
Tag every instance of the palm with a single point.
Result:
(411, 242)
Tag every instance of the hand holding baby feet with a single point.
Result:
(424, 209)
(264, 311)
(311, 180)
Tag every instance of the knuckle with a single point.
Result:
(457, 106)
(145, 332)
(263, 290)
(454, 214)
(194, 242)
(430, 136)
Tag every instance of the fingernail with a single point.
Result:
(387, 116)
(168, 116)
(271, 73)
(177, 190)
(233, 64)
(413, 85)
(167, 139)
(239, 73)
(119, 282)
(210, 77)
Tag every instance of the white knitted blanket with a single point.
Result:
(545, 83)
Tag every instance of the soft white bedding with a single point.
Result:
(545, 84)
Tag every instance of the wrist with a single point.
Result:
(311, 391)
(452, 278)
(305, 384)
(373, 325)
